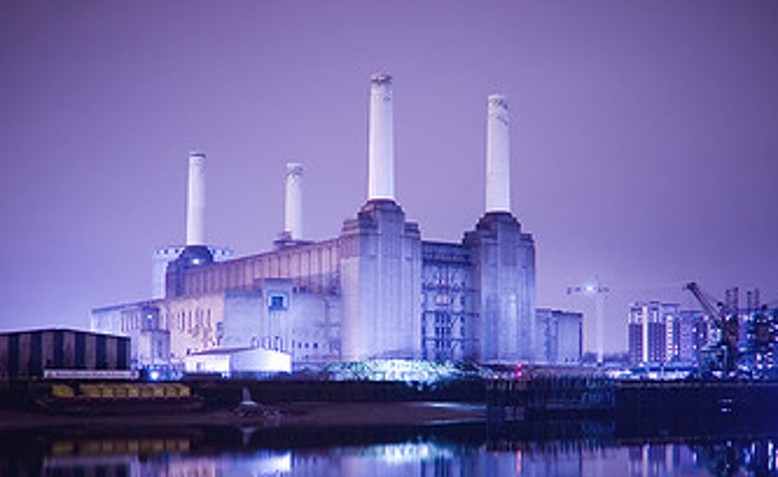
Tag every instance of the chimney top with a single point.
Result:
(498, 100)
(294, 168)
(381, 78)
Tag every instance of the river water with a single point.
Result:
(592, 449)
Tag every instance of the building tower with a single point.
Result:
(195, 204)
(381, 139)
(503, 258)
(635, 343)
(293, 207)
(195, 252)
(293, 203)
(380, 254)
(498, 154)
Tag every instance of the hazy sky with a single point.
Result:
(644, 136)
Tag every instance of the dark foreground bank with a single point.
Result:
(288, 415)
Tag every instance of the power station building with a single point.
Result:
(377, 290)
(559, 337)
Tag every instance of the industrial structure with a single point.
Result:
(743, 341)
(30, 353)
(724, 339)
(162, 256)
(559, 337)
(377, 290)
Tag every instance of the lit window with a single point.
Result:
(277, 301)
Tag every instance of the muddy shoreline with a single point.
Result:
(289, 415)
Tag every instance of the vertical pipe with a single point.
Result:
(195, 205)
(600, 325)
(381, 139)
(498, 168)
(646, 313)
(293, 204)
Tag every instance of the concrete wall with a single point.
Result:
(503, 260)
(570, 337)
(315, 329)
(303, 324)
(381, 284)
(311, 266)
(193, 324)
(244, 319)
(260, 360)
(559, 336)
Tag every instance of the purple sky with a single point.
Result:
(644, 136)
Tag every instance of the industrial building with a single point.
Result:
(162, 256)
(663, 333)
(559, 337)
(27, 354)
(377, 290)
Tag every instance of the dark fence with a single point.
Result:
(229, 392)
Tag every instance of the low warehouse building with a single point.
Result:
(27, 354)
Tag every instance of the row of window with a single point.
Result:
(442, 299)
(191, 322)
(277, 343)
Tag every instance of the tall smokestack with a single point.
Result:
(498, 166)
(381, 139)
(195, 204)
(293, 205)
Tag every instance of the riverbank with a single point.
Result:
(291, 415)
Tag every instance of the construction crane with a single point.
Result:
(598, 291)
(722, 355)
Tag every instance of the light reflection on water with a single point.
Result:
(422, 456)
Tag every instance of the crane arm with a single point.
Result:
(706, 305)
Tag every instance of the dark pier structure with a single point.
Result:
(693, 401)
(550, 397)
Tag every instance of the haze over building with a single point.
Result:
(631, 117)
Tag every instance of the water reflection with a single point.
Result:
(225, 453)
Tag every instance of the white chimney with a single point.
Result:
(498, 165)
(195, 205)
(293, 205)
(381, 139)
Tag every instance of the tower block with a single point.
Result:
(380, 254)
(502, 257)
